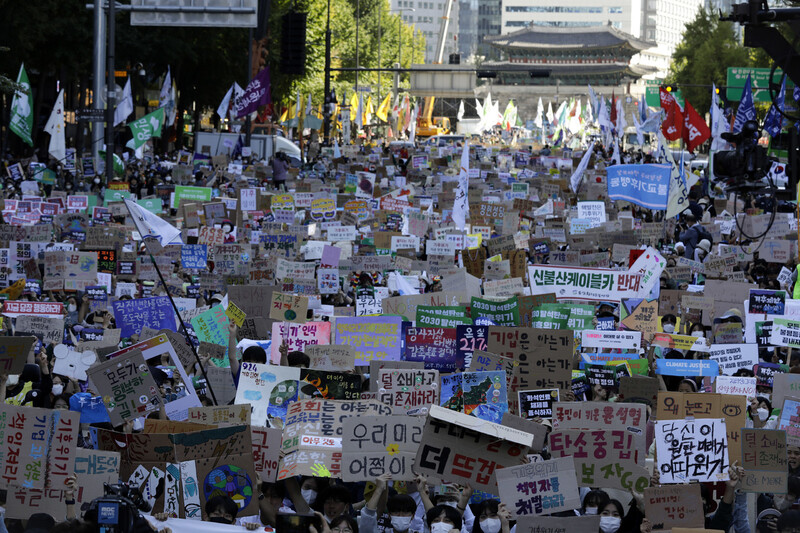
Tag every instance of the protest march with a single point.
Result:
(488, 333)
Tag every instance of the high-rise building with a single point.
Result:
(663, 22)
(427, 19)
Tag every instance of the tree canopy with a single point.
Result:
(708, 48)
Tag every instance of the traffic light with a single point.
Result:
(668, 88)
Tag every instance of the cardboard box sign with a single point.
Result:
(462, 448)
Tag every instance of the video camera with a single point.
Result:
(117, 511)
(743, 168)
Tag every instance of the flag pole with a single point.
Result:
(171, 301)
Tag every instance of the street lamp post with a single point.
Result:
(400, 35)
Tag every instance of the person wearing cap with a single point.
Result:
(702, 250)
(692, 234)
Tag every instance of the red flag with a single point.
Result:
(695, 129)
(672, 126)
(613, 116)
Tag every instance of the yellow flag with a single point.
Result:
(353, 106)
(383, 109)
(284, 115)
(368, 110)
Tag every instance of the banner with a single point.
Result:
(576, 283)
(643, 185)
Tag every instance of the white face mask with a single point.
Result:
(72, 308)
(401, 523)
(610, 524)
(698, 334)
(763, 414)
(13, 379)
(669, 328)
(491, 525)
(590, 511)
(309, 495)
(58, 389)
(441, 527)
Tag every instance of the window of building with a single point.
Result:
(616, 9)
(553, 9)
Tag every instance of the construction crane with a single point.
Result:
(427, 126)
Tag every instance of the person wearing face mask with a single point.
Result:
(594, 501)
(668, 323)
(309, 489)
(443, 519)
(760, 414)
(611, 517)
(401, 509)
(493, 517)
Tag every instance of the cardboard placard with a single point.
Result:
(676, 505)
(374, 445)
(445, 453)
(542, 487)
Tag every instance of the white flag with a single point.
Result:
(166, 88)
(621, 122)
(360, 111)
(151, 225)
(55, 127)
(577, 176)
(549, 115)
(412, 131)
(718, 123)
(222, 110)
(461, 202)
(460, 114)
(125, 106)
(539, 114)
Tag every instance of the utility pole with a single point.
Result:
(98, 84)
(111, 93)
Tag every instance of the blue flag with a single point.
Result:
(796, 93)
(774, 120)
(747, 110)
(644, 185)
(642, 109)
(237, 150)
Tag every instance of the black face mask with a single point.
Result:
(219, 520)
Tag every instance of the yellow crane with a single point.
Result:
(428, 126)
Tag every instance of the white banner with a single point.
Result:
(576, 283)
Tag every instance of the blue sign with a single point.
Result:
(194, 256)
(155, 312)
(91, 408)
(687, 367)
(643, 185)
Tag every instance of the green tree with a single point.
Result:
(378, 36)
(708, 48)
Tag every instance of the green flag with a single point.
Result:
(22, 109)
(146, 127)
(119, 165)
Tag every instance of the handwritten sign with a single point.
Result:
(543, 487)
(374, 445)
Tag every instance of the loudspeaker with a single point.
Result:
(293, 44)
